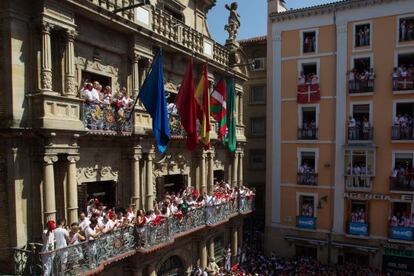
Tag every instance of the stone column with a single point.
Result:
(234, 167)
(135, 181)
(46, 61)
(151, 270)
(240, 177)
(203, 185)
(70, 88)
(203, 254)
(211, 248)
(234, 241)
(49, 201)
(149, 203)
(72, 189)
(240, 121)
(229, 168)
(135, 74)
(210, 186)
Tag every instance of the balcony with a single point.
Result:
(309, 133)
(360, 133)
(402, 133)
(360, 86)
(359, 182)
(166, 26)
(357, 229)
(403, 183)
(92, 256)
(308, 93)
(307, 179)
(403, 83)
(306, 222)
(106, 119)
(401, 233)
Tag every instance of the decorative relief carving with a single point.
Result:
(71, 86)
(171, 164)
(46, 79)
(91, 174)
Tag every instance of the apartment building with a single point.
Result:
(339, 140)
(57, 152)
(254, 112)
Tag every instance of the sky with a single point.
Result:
(252, 16)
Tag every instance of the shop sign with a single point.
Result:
(359, 229)
(393, 263)
(402, 233)
(306, 222)
(399, 252)
(365, 196)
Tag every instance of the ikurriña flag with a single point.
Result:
(152, 96)
(231, 120)
(187, 107)
(218, 107)
(203, 107)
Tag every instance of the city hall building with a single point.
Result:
(340, 144)
(56, 153)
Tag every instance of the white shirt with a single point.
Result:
(89, 232)
(48, 241)
(352, 123)
(84, 223)
(130, 216)
(109, 225)
(91, 95)
(61, 234)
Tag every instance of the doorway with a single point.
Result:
(218, 175)
(104, 191)
(174, 183)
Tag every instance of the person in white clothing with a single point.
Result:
(48, 238)
(83, 222)
(62, 240)
(92, 232)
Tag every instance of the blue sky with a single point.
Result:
(253, 16)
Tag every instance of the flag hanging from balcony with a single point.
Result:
(231, 121)
(203, 107)
(186, 106)
(152, 96)
(218, 107)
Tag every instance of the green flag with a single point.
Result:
(231, 121)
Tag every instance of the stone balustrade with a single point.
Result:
(170, 28)
(93, 255)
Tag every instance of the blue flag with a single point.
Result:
(152, 96)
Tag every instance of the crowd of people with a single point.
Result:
(308, 130)
(358, 216)
(102, 109)
(401, 219)
(363, 36)
(306, 174)
(99, 219)
(402, 127)
(404, 176)
(361, 81)
(359, 129)
(406, 30)
(310, 78)
(403, 77)
(307, 210)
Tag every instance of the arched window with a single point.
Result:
(172, 267)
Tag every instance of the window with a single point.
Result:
(361, 76)
(402, 128)
(258, 64)
(307, 168)
(309, 69)
(92, 77)
(359, 123)
(257, 94)
(257, 126)
(309, 42)
(402, 176)
(402, 213)
(306, 206)
(308, 123)
(257, 159)
(359, 162)
(362, 35)
(358, 211)
(406, 29)
(403, 76)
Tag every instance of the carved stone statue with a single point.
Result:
(233, 22)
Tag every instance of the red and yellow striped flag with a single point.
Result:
(203, 107)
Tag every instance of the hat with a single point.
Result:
(51, 225)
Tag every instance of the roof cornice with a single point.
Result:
(324, 9)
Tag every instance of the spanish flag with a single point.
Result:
(203, 107)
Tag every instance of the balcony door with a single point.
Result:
(104, 191)
(173, 183)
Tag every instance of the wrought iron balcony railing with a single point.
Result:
(308, 133)
(360, 86)
(106, 118)
(164, 24)
(402, 183)
(359, 182)
(90, 255)
(360, 133)
(402, 133)
(307, 178)
(403, 83)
